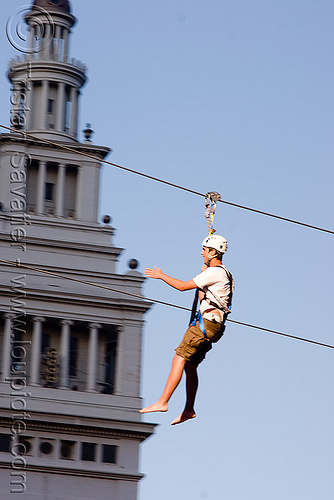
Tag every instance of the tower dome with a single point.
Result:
(56, 5)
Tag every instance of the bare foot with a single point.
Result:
(186, 415)
(156, 407)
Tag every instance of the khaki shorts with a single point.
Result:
(195, 345)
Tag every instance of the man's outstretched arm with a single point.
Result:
(156, 273)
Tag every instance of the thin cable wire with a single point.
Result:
(281, 333)
(171, 184)
(97, 285)
(57, 275)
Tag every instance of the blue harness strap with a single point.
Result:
(198, 317)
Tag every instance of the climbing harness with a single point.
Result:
(196, 315)
(226, 309)
(211, 199)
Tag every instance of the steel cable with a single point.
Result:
(171, 184)
(57, 275)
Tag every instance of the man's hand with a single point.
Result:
(155, 273)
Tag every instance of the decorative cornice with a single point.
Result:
(101, 151)
(83, 430)
(112, 474)
(73, 68)
(72, 245)
(114, 303)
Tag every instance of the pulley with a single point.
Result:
(211, 199)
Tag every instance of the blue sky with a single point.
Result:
(235, 97)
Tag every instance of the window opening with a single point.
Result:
(46, 447)
(45, 342)
(4, 443)
(88, 452)
(67, 450)
(109, 454)
(26, 445)
(17, 353)
(110, 362)
(73, 360)
(49, 191)
(50, 105)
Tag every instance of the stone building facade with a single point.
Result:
(70, 358)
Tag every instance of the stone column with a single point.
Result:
(60, 190)
(31, 41)
(47, 41)
(64, 353)
(66, 36)
(119, 361)
(41, 188)
(6, 347)
(57, 38)
(44, 104)
(76, 115)
(15, 105)
(92, 356)
(39, 38)
(78, 193)
(74, 111)
(128, 361)
(35, 362)
(28, 113)
(60, 112)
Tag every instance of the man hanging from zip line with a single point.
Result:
(214, 288)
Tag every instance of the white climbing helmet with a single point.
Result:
(215, 241)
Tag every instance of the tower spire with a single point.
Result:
(46, 82)
(46, 85)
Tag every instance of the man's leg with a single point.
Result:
(173, 381)
(191, 390)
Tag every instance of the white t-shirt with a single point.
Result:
(215, 282)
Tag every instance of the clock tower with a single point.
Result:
(71, 353)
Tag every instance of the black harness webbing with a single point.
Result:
(194, 307)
